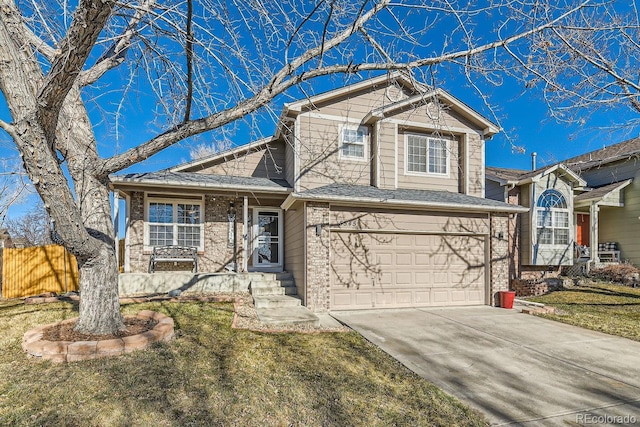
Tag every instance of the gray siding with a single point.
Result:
(494, 191)
(613, 172)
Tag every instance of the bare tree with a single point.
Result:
(12, 185)
(206, 64)
(33, 227)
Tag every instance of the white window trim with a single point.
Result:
(448, 141)
(538, 210)
(364, 143)
(148, 200)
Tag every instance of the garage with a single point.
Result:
(388, 267)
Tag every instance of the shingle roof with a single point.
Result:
(600, 192)
(605, 155)
(201, 180)
(347, 192)
(506, 174)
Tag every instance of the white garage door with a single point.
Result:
(379, 270)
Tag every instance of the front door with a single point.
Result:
(267, 239)
(583, 226)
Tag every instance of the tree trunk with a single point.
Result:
(99, 304)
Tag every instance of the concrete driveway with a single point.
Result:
(516, 368)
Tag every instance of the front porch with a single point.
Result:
(593, 244)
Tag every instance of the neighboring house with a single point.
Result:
(582, 201)
(5, 239)
(371, 195)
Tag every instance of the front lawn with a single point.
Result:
(212, 375)
(605, 307)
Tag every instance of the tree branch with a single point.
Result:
(89, 20)
(285, 79)
(116, 54)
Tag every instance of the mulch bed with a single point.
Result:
(65, 331)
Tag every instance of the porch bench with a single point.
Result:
(173, 254)
(608, 252)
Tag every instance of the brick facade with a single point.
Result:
(500, 258)
(318, 257)
(219, 247)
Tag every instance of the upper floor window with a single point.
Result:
(174, 223)
(553, 218)
(427, 154)
(353, 140)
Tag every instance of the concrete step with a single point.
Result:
(288, 316)
(268, 290)
(265, 283)
(275, 301)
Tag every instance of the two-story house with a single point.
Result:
(371, 196)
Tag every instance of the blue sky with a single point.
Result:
(524, 117)
(522, 114)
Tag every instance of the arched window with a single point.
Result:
(553, 218)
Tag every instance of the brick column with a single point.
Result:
(139, 263)
(499, 255)
(318, 257)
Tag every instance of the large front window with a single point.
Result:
(553, 219)
(427, 155)
(174, 223)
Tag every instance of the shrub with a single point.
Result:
(626, 274)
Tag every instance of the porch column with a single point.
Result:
(245, 233)
(116, 225)
(593, 219)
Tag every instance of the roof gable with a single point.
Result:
(506, 176)
(207, 161)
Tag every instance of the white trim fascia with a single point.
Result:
(360, 201)
(200, 186)
(430, 127)
(230, 152)
(331, 117)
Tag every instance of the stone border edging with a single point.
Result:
(72, 351)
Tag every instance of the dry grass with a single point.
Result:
(605, 307)
(213, 375)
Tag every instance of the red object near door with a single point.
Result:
(506, 299)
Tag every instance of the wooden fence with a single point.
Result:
(32, 271)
